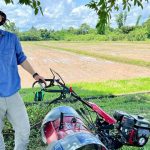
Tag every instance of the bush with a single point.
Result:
(147, 26)
(56, 37)
(100, 38)
(127, 29)
(116, 36)
(139, 34)
(87, 37)
(29, 36)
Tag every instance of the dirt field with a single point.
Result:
(131, 50)
(77, 68)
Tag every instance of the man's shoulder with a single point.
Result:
(7, 33)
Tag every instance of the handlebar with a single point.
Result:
(63, 91)
(40, 82)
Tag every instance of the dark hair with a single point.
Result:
(4, 18)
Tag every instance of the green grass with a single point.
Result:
(98, 88)
(119, 59)
(87, 42)
(134, 104)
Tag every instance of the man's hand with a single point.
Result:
(38, 77)
(27, 66)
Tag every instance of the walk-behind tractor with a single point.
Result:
(88, 127)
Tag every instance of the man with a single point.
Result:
(11, 104)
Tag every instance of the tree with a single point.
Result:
(33, 29)
(84, 28)
(138, 20)
(35, 4)
(10, 26)
(71, 30)
(121, 19)
(45, 34)
(147, 26)
(103, 8)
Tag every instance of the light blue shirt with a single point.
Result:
(11, 55)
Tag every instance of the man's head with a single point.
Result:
(2, 18)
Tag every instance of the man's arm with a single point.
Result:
(27, 66)
(22, 60)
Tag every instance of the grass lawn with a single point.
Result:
(98, 89)
(134, 104)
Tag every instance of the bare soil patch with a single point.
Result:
(76, 68)
(131, 50)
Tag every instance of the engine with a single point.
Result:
(134, 130)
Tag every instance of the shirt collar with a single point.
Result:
(2, 32)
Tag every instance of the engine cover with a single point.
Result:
(134, 129)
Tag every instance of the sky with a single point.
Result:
(60, 14)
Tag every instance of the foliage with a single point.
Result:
(121, 19)
(135, 104)
(11, 27)
(103, 8)
(30, 36)
(83, 29)
(85, 33)
(138, 20)
(116, 36)
(127, 29)
(35, 4)
(147, 26)
(45, 34)
(139, 34)
(87, 37)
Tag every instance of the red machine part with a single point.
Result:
(70, 125)
(103, 114)
(131, 137)
(50, 132)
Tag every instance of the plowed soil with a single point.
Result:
(77, 68)
(132, 50)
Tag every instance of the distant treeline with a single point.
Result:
(86, 33)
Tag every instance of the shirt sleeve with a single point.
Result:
(21, 57)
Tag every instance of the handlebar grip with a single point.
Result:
(40, 82)
(51, 83)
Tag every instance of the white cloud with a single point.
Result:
(54, 12)
(79, 11)
(63, 14)
(69, 1)
(84, 15)
(91, 19)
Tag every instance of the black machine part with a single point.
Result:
(129, 130)
(134, 129)
(141, 122)
(133, 120)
